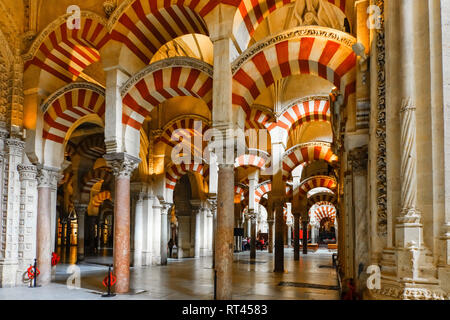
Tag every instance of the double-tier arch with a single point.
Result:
(251, 13)
(307, 152)
(64, 111)
(142, 26)
(311, 50)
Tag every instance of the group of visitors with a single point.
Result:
(260, 243)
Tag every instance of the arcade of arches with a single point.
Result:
(127, 125)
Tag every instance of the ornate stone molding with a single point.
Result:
(164, 64)
(15, 146)
(27, 172)
(47, 177)
(381, 125)
(122, 164)
(358, 158)
(80, 209)
(213, 204)
(54, 25)
(109, 6)
(303, 99)
(117, 13)
(408, 174)
(410, 293)
(295, 33)
(307, 144)
(70, 87)
(166, 207)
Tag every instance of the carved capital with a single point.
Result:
(27, 172)
(80, 209)
(166, 207)
(213, 204)
(109, 6)
(47, 177)
(122, 164)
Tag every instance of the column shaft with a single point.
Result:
(81, 221)
(305, 237)
(46, 181)
(197, 243)
(224, 232)
(279, 238)
(253, 238)
(138, 231)
(296, 237)
(123, 165)
(122, 234)
(164, 241)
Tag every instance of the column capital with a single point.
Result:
(166, 206)
(122, 164)
(15, 146)
(47, 177)
(80, 208)
(27, 172)
(212, 203)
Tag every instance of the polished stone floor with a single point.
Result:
(311, 278)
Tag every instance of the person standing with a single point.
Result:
(170, 245)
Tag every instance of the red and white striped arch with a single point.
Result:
(144, 26)
(175, 172)
(158, 83)
(329, 197)
(258, 119)
(262, 189)
(68, 105)
(241, 190)
(92, 147)
(326, 210)
(65, 53)
(309, 54)
(250, 160)
(265, 187)
(307, 152)
(316, 182)
(95, 176)
(301, 113)
(252, 12)
(187, 127)
(99, 198)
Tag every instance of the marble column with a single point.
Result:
(305, 236)
(184, 237)
(148, 230)
(28, 218)
(47, 180)
(279, 236)
(289, 235)
(123, 166)
(157, 243)
(164, 231)
(358, 158)
(138, 230)
(11, 157)
(196, 227)
(213, 224)
(210, 236)
(278, 194)
(81, 211)
(224, 232)
(252, 220)
(270, 224)
(296, 236)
